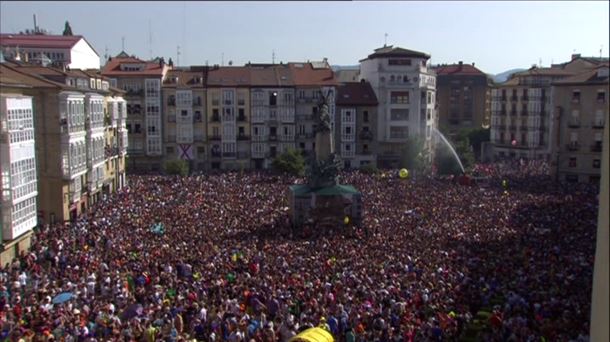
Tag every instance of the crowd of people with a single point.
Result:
(214, 258)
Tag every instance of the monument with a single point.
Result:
(323, 202)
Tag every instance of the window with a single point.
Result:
(273, 98)
(399, 62)
(399, 114)
(365, 116)
(399, 97)
(138, 128)
(576, 96)
(198, 116)
(201, 150)
(596, 163)
(399, 132)
(572, 162)
(169, 150)
(601, 96)
(184, 112)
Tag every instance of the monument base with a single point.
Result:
(325, 206)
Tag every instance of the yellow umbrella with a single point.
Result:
(313, 335)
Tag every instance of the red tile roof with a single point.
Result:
(113, 68)
(35, 41)
(356, 93)
(233, 76)
(458, 69)
(304, 74)
(271, 75)
(14, 75)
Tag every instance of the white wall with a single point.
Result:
(82, 56)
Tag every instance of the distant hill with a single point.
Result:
(503, 76)
(345, 67)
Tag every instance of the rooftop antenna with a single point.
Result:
(601, 47)
(539, 62)
(35, 25)
(222, 59)
(106, 53)
(150, 39)
(385, 40)
(177, 55)
(123, 44)
(272, 56)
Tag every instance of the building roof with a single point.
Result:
(391, 51)
(356, 93)
(113, 68)
(587, 77)
(184, 78)
(270, 75)
(311, 74)
(535, 71)
(41, 41)
(14, 76)
(232, 76)
(347, 75)
(458, 69)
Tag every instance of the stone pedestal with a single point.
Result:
(327, 206)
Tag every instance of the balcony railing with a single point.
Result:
(572, 146)
(242, 118)
(272, 137)
(215, 118)
(366, 135)
(111, 151)
(598, 124)
(215, 137)
(305, 135)
(573, 124)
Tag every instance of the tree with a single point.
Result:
(291, 162)
(67, 29)
(414, 155)
(177, 167)
(445, 160)
(477, 137)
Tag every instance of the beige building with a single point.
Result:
(228, 110)
(71, 136)
(356, 124)
(581, 111)
(141, 80)
(184, 119)
(521, 114)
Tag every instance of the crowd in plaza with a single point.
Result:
(214, 258)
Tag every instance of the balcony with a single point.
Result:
(574, 123)
(242, 118)
(272, 137)
(131, 92)
(171, 103)
(229, 154)
(216, 154)
(348, 137)
(597, 147)
(304, 117)
(199, 138)
(215, 137)
(215, 118)
(305, 135)
(573, 146)
(598, 124)
(259, 138)
(243, 137)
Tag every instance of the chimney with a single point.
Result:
(460, 65)
(472, 63)
(575, 55)
(35, 25)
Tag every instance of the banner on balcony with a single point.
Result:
(186, 151)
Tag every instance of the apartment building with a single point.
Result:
(580, 103)
(228, 109)
(71, 148)
(272, 95)
(521, 114)
(356, 124)
(18, 210)
(312, 80)
(73, 52)
(406, 91)
(142, 82)
(184, 119)
(463, 97)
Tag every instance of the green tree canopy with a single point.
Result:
(67, 29)
(291, 162)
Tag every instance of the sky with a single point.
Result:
(496, 36)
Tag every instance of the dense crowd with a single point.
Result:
(227, 266)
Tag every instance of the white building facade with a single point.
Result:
(18, 165)
(406, 91)
(72, 51)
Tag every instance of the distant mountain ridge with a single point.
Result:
(345, 67)
(503, 76)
